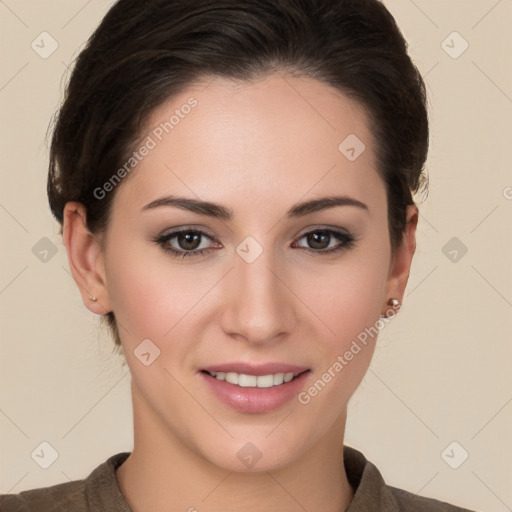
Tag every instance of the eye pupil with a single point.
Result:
(189, 239)
(317, 239)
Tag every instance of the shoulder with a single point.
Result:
(372, 493)
(98, 492)
(414, 503)
(56, 497)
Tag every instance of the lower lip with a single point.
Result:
(253, 399)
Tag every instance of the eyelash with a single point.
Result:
(347, 242)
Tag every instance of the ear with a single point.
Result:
(85, 256)
(402, 258)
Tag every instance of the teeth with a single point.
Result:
(265, 381)
(252, 381)
(232, 377)
(278, 379)
(247, 380)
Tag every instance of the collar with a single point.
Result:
(370, 490)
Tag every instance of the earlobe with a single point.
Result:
(402, 257)
(85, 257)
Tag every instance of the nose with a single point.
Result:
(259, 308)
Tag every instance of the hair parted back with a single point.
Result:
(143, 53)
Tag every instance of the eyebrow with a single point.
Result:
(221, 212)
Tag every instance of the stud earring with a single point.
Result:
(93, 299)
(395, 305)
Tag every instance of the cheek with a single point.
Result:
(347, 296)
(349, 303)
(148, 293)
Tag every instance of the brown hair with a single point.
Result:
(143, 53)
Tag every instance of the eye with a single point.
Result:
(319, 241)
(184, 243)
(187, 242)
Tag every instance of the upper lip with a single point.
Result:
(256, 369)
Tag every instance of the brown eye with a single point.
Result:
(184, 243)
(320, 241)
(317, 240)
(188, 240)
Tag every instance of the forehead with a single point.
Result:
(280, 135)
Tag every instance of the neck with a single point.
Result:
(163, 473)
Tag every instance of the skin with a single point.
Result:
(257, 148)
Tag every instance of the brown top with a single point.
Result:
(100, 492)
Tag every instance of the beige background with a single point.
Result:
(441, 372)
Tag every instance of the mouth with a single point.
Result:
(246, 380)
(255, 388)
(250, 388)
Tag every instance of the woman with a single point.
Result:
(234, 183)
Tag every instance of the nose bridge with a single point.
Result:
(259, 306)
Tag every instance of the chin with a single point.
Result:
(255, 453)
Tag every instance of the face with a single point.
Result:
(256, 286)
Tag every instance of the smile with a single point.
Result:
(254, 381)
